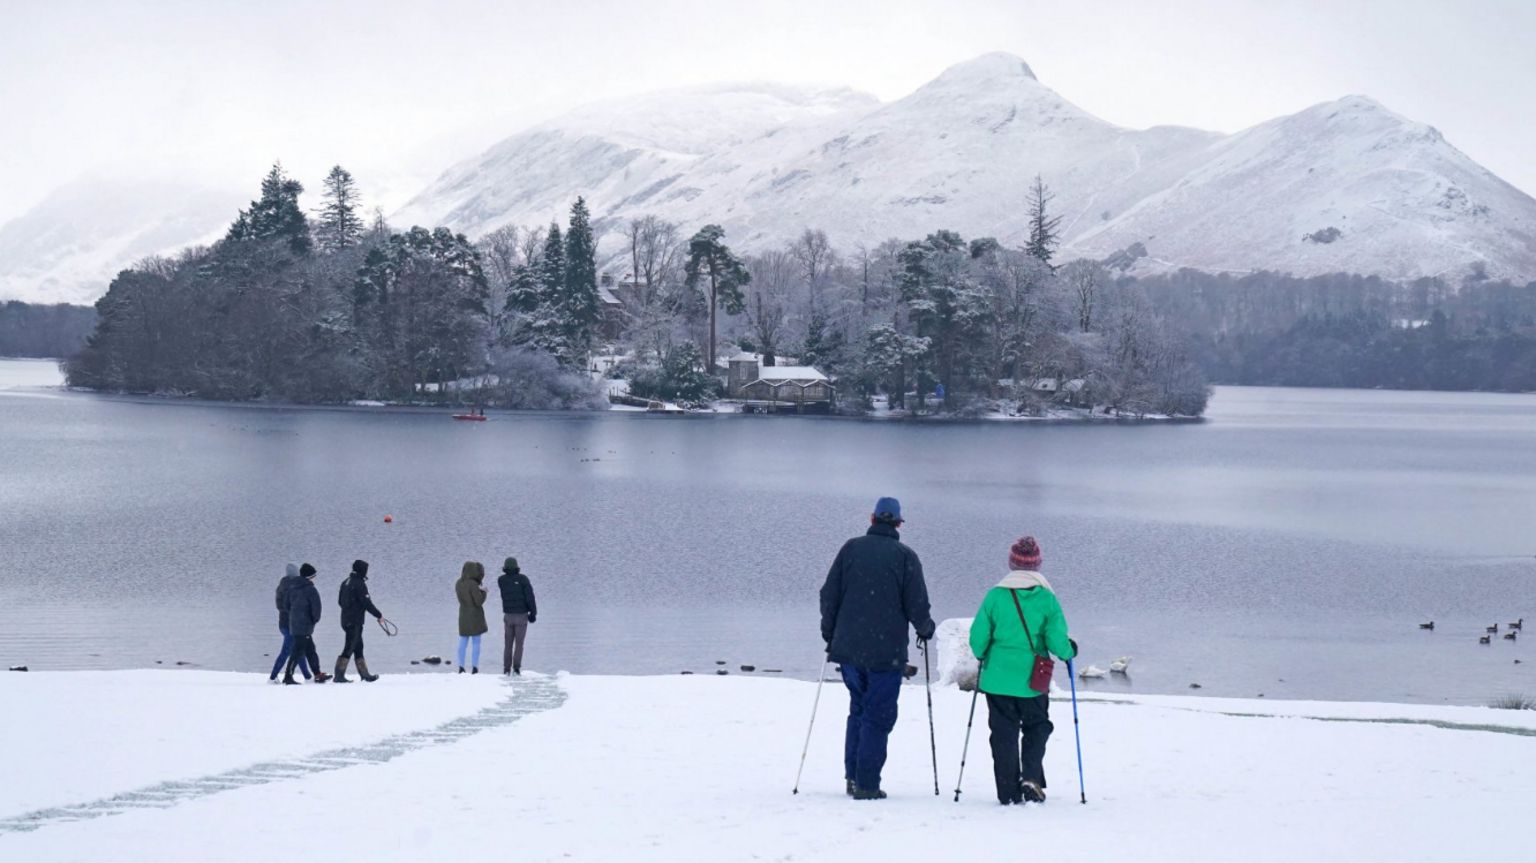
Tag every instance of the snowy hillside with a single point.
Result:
(68, 247)
(959, 152)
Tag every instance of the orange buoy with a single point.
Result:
(389, 519)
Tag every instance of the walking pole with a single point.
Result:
(1077, 732)
(967, 746)
(821, 677)
(933, 745)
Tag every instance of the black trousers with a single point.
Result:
(1020, 727)
(352, 643)
(303, 645)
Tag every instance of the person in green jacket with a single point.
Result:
(470, 589)
(1018, 716)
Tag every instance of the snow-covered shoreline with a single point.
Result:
(683, 768)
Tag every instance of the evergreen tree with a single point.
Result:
(582, 308)
(276, 215)
(1044, 236)
(552, 266)
(710, 258)
(340, 225)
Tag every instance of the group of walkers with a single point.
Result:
(299, 610)
(875, 589)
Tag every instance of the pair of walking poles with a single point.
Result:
(933, 746)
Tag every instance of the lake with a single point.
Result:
(1288, 546)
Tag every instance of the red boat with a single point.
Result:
(477, 417)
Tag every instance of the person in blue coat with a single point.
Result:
(874, 590)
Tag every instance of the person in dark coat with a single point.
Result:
(874, 589)
(354, 600)
(303, 613)
(288, 582)
(470, 589)
(518, 609)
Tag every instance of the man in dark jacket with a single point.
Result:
(517, 611)
(303, 613)
(355, 600)
(290, 579)
(874, 589)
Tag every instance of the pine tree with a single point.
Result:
(276, 214)
(1043, 234)
(552, 265)
(340, 225)
(710, 258)
(582, 307)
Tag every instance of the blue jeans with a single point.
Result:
(871, 716)
(282, 655)
(465, 641)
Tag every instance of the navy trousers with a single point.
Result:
(871, 716)
(282, 655)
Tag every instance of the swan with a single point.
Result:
(1092, 671)
(1120, 665)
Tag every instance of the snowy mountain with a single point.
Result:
(1342, 186)
(70, 246)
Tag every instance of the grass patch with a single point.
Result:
(1513, 702)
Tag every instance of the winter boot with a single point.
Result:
(867, 794)
(475, 670)
(517, 671)
(321, 676)
(851, 788)
(289, 681)
(1033, 792)
(341, 668)
(362, 671)
(461, 669)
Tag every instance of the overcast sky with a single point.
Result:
(398, 91)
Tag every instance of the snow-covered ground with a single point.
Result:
(700, 768)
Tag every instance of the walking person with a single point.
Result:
(470, 589)
(354, 600)
(874, 589)
(1019, 620)
(289, 580)
(518, 609)
(303, 613)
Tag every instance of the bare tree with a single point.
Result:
(816, 257)
(532, 244)
(768, 299)
(1083, 279)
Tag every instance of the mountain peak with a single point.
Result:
(996, 67)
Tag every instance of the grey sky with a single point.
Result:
(398, 91)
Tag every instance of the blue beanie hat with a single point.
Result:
(888, 509)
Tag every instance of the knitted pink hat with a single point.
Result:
(1025, 554)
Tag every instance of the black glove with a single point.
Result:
(1074, 647)
(532, 618)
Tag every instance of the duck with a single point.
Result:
(1494, 629)
(1430, 625)
(1510, 636)
(1486, 639)
(1091, 672)
(1518, 624)
(1120, 666)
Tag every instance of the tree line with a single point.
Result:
(52, 331)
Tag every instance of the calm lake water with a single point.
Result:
(1289, 546)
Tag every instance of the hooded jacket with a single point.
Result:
(303, 607)
(517, 594)
(997, 634)
(287, 583)
(873, 590)
(471, 592)
(353, 597)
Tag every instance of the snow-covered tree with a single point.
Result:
(339, 226)
(1044, 234)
